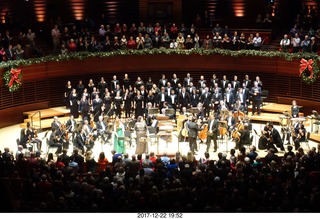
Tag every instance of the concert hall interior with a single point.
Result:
(123, 103)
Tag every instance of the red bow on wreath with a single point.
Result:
(304, 64)
(14, 76)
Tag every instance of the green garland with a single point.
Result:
(223, 52)
(305, 75)
(7, 77)
(85, 55)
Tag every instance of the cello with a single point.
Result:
(203, 134)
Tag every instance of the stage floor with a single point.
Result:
(9, 135)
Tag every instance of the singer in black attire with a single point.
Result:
(256, 98)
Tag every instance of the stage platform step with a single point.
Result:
(265, 117)
(315, 137)
(46, 123)
(273, 108)
(46, 117)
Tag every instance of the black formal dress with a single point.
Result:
(127, 104)
(117, 105)
(74, 106)
(97, 104)
(66, 99)
(84, 108)
(55, 141)
(139, 106)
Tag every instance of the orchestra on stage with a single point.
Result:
(210, 110)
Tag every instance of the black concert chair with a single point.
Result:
(264, 95)
(49, 148)
(248, 145)
(152, 134)
(306, 142)
(127, 137)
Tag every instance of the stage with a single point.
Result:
(159, 143)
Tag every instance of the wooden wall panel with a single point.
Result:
(46, 81)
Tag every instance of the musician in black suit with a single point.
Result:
(231, 123)
(238, 107)
(244, 137)
(214, 81)
(242, 99)
(194, 98)
(187, 80)
(212, 134)
(229, 98)
(206, 101)
(256, 98)
(169, 88)
(300, 136)
(224, 84)
(184, 98)
(258, 80)
(275, 136)
(163, 81)
(216, 97)
(102, 129)
(114, 84)
(162, 97)
(173, 100)
(80, 140)
(101, 126)
(235, 84)
(84, 107)
(193, 129)
(247, 81)
(71, 125)
(55, 141)
(175, 81)
(246, 92)
(56, 124)
(201, 82)
(190, 88)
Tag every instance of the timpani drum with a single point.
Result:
(284, 120)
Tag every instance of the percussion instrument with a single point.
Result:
(284, 120)
(300, 119)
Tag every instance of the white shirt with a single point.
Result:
(257, 41)
(103, 126)
(296, 42)
(285, 42)
(229, 121)
(162, 97)
(172, 99)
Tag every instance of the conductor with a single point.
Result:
(193, 129)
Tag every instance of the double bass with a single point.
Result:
(223, 130)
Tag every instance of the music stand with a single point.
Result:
(287, 114)
(194, 110)
(153, 111)
(315, 113)
(169, 112)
